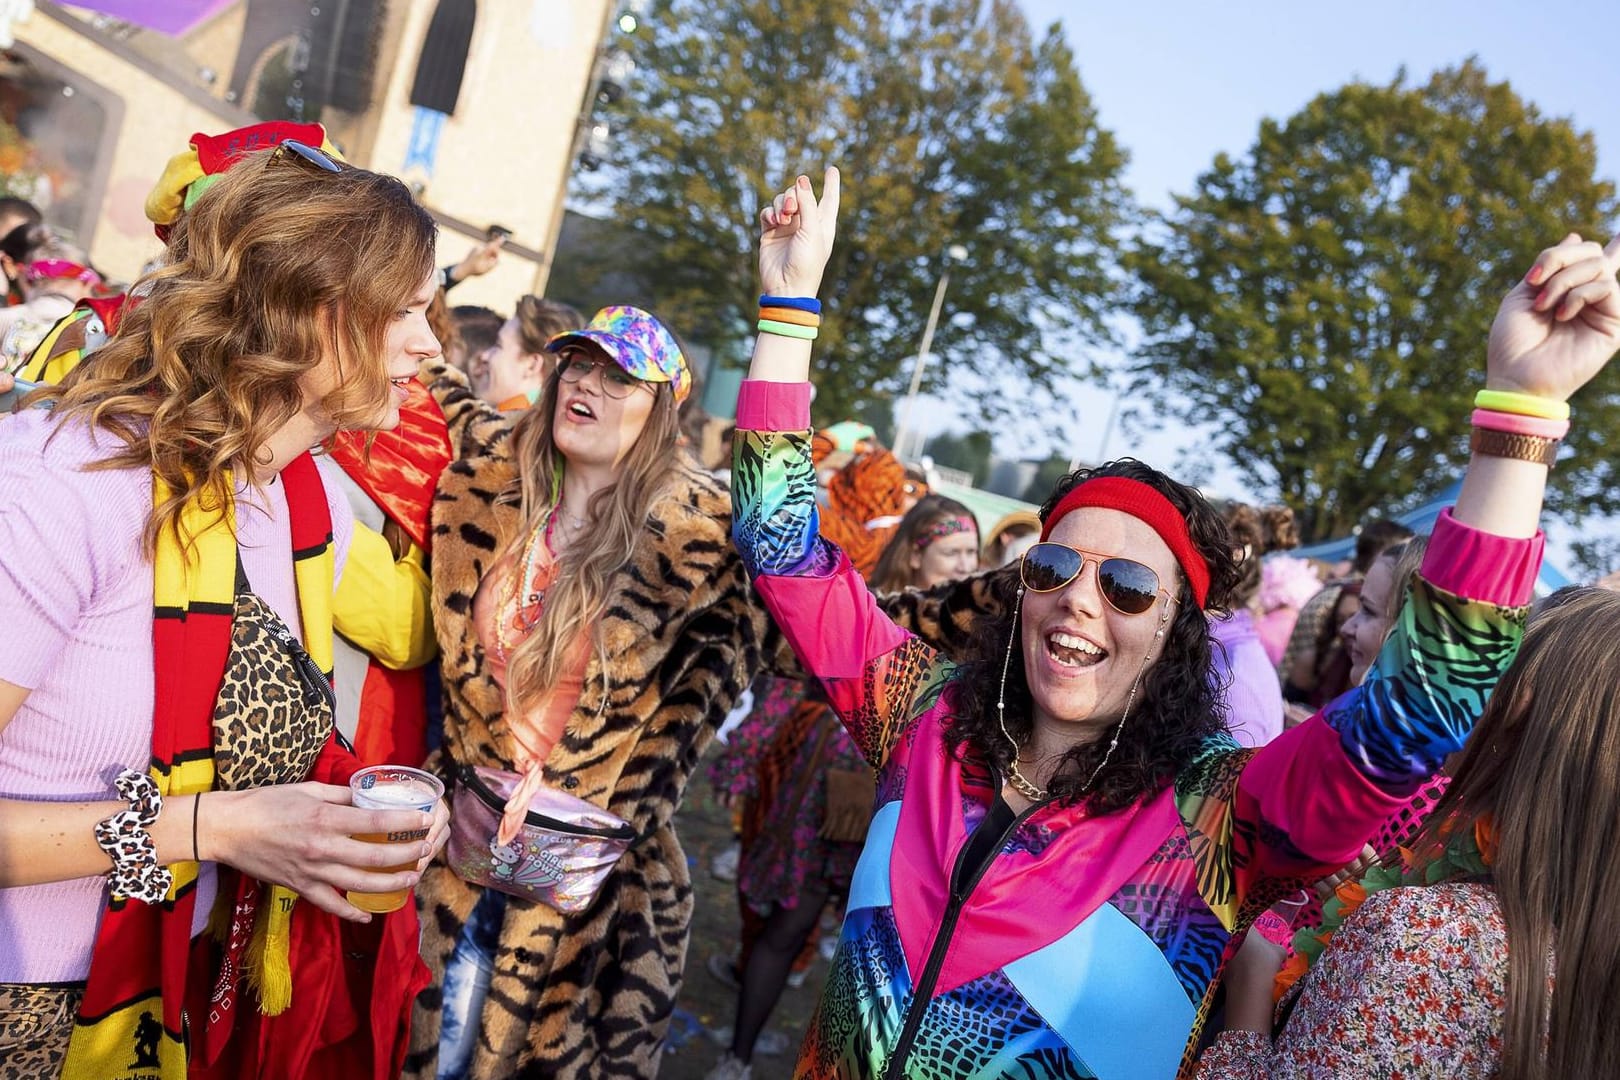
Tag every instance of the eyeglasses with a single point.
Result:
(1129, 587)
(617, 383)
(318, 158)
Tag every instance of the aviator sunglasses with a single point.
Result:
(1129, 587)
(318, 158)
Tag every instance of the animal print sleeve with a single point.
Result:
(870, 667)
(475, 426)
(1260, 820)
(1457, 632)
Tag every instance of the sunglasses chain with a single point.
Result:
(1019, 782)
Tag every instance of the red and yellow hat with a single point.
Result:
(192, 172)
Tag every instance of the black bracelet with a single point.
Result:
(196, 801)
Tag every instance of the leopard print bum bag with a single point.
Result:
(273, 715)
(275, 708)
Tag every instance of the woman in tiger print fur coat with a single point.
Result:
(590, 995)
(681, 633)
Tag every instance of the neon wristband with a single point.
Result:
(782, 329)
(798, 303)
(1523, 404)
(1519, 424)
(790, 315)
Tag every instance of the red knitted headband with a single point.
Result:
(1146, 504)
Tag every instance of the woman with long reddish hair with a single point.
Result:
(168, 556)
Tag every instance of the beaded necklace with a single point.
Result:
(522, 593)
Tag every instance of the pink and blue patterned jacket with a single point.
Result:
(1059, 944)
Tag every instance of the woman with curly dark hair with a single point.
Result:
(1065, 842)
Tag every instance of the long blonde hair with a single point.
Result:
(617, 515)
(277, 267)
(1541, 766)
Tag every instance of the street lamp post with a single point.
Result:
(954, 254)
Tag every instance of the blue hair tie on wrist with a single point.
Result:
(797, 303)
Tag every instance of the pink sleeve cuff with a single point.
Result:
(834, 624)
(1307, 788)
(1477, 565)
(771, 406)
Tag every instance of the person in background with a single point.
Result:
(865, 496)
(1383, 591)
(936, 542)
(476, 329)
(1488, 951)
(812, 801)
(54, 276)
(15, 213)
(480, 260)
(1009, 538)
(1313, 668)
(515, 368)
(1287, 584)
(1245, 675)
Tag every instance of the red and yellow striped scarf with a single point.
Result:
(131, 1023)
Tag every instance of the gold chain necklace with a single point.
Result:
(1023, 786)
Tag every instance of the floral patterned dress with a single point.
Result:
(1411, 988)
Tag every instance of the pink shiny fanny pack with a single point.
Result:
(562, 855)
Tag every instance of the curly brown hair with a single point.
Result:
(279, 267)
(1179, 706)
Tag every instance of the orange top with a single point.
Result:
(539, 729)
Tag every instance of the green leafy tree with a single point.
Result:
(952, 123)
(1324, 301)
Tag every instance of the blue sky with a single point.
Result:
(1179, 81)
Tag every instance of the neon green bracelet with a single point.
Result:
(1523, 404)
(782, 329)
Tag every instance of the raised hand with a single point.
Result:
(796, 237)
(1560, 324)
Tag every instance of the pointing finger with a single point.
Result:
(1612, 252)
(832, 194)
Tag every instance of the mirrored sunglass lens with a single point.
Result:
(1050, 566)
(1128, 585)
(310, 154)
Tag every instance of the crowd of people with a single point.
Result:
(1117, 789)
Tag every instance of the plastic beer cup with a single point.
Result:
(392, 787)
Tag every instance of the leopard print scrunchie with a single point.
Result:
(135, 873)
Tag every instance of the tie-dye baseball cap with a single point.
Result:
(638, 343)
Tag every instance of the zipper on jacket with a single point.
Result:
(923, 992)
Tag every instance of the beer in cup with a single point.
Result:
(392, 787)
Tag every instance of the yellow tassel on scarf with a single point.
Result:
(269, 968)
